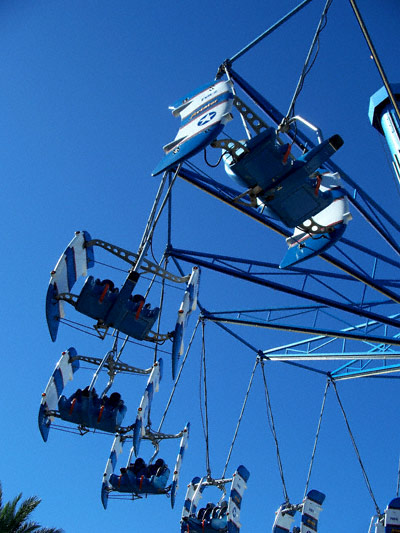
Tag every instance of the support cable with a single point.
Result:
(161, 308)
(153, 212)
(154, 277)
(117, 354)
(240, 417)
(204, 420)
(357, 452)
(112, 353)
(178, 377)
(153, 219)
(316, 439)
(307, 66)
(84, 329)
(273, 430)
(122, 348)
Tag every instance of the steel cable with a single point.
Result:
(316, 438)
(240, 417)
(357, 452)
(273, 430)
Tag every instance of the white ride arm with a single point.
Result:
(116, 450)
(311, 509)
(63, 372)
(178, 464)
(238, 487)
(152, 386)
(74, 262)
(284, 517)
(392, 516)
(194, 494)
(188, 305)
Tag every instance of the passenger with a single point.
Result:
(209, 509)
(139, 468)
(96, 402)
(223, 509)
(105, 282)
(215, 512)
(160, 467)
(137, 298)
(109, 283)
(77, 395)
(115, 400)
(152, 470)
(201, 513)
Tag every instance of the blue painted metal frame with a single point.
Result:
(359, 366)
(347, 270)
(195, 258)
(301, 329)
(227, 195)
(303, 142)
(304, 351)
(244, 341)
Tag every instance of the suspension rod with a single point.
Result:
(268, 31)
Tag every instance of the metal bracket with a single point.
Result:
(152, 336)
(220, 483)
(154, 436)
(234, 148)
(101, 330)
(118, 366)
(68, 297)
(313, 228)
(126, 496)
(252, 193)
(131, 258)
(252, 119)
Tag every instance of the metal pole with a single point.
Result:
(310, 330)
(269, 31)
(375, 56)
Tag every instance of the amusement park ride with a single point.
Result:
(291, 185)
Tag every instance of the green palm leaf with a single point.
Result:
(14, 516)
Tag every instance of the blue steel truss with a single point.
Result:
(356, 288)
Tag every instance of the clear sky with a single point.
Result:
(85, 89)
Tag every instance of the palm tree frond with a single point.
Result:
(26, 508)
(14, 519)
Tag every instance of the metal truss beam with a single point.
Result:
(371, 372)
(309, 330)
(358, 311)
(226, 195)
(333, 357)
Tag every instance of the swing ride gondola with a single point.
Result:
(290, 185)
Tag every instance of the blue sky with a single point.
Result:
(85, 89)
